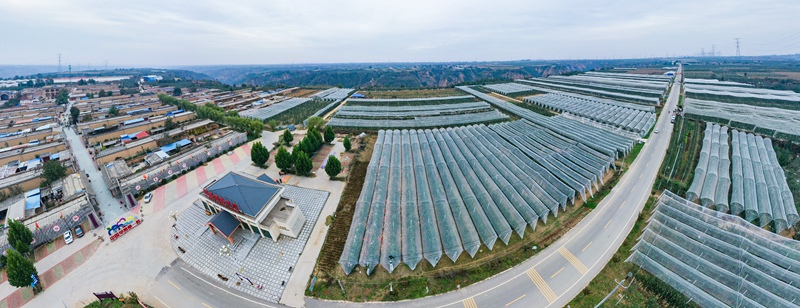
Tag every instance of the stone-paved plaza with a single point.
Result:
(263, 261)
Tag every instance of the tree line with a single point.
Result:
(217, 114)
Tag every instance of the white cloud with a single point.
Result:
(164, 33)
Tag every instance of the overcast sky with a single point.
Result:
(165, 33)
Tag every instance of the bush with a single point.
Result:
(303, 164)
(346, 143)
(334, 167)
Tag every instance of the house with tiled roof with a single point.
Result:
(241, 201)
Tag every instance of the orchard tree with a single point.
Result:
(177, 91)
(315, 122)
(346, 143)
(334, 167)
(329, 135)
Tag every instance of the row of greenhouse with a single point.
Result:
(608, 93)
(770, 121)
(658, 85)
(429, 193)
(333, 94)
(263, 114)
(409, 101)
(750, 175)
(605, 141)
(510, 88)
(634, 120)
(717, 259)
(631, 87)
(418, 120)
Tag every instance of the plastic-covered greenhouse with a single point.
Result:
(748, 169)
(430, 193)
(718, 259)
(618, 115)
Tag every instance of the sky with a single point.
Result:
(93, 33)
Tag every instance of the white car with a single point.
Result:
(68, 237)
(148, 197)
(655, 131)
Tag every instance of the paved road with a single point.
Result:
(561, 271)
(108, 205)
(180, 285)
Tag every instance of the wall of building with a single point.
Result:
(152, 145)
(28, 154)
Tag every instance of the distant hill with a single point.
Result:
(388, 75)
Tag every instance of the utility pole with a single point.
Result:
(713, 52)
(59, 63)
(738, 52)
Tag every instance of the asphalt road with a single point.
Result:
(558, 273)
(180, 285)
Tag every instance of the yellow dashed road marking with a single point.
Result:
(572, 259)
(514, 301)
(587, 246)
(470, 303)
(559, 271)
(537, 279)
(174, 285)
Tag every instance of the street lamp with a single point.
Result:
(225, 251)
(173, 215)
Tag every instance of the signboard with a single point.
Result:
(221, 201)
(138, 187)
(75, 218)
(122, 226)
(35, 280)
(56, 228)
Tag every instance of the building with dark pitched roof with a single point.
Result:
(257, 204)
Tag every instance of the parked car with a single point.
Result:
(230, 153)
(655, 131)
(148, 197)
(68, 237)
(79, 231)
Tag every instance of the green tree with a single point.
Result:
(20, 270)
(303, 164)
(315, 122)
(86, 118)
(63, 97)
(113, 111)
(334, 167)
(102, 93)
(177, 91)
(81, 82)
(329, 135)
(283, 160)
(74, 112)
(346, 143)
(19, 236)
(53, 171)
(169, 124)
(259, 154)
(11, 102)
(273, 125)
(287, 137)
(233, 113)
